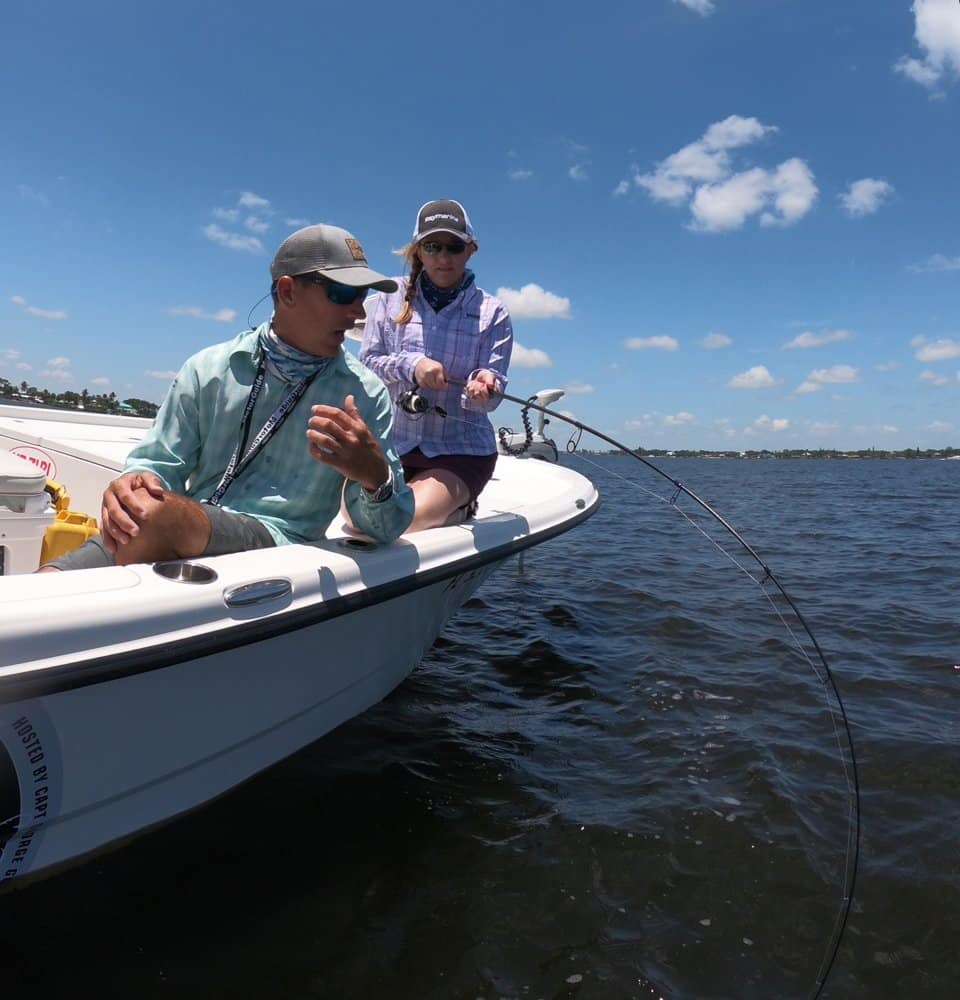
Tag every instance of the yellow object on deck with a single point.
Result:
(70, 529)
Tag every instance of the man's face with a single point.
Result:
(314, 322)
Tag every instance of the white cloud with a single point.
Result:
(220, 316)
(765, 423)
(936, 350)
(753, 378)
(621, 189)
(864, 197)
(940, 427)
(519, 175)
(936, 262)
(680, 419)
(255, 224)
(704, 7)
(810, 339)
(529, 357)
(821, 427)
(932, 378)
(250, 200)
(661, 343)
(534, 302)
(165, 376)
(28, 193)
(58, 369)
(226, 214)
(298, 223)
(714, 341)
(700, 174)
(579, 388)
(837, 375)
(100, 380)
(937, 31)
(578, 172)
(887, 366)
(233, 241)
(19, 300)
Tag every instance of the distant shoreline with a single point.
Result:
(819, 453)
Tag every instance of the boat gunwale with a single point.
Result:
(44, 681)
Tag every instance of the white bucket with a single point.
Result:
(25, 514)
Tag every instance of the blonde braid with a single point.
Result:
(416, 266)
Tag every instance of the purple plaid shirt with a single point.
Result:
(471, 333)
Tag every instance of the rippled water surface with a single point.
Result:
(617, 774)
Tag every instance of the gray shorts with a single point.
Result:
(229, 532)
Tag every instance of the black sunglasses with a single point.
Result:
(432, 247)
(338, 294)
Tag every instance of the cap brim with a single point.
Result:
(358, 277)
(459, 233)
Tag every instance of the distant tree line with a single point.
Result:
(84, 400)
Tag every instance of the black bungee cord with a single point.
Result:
(415, 404)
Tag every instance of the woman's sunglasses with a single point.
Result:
(432, 247)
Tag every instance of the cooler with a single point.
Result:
(25, 514)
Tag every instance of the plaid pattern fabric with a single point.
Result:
(471, 333)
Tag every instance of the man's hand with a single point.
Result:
(430, 374)
(126, 502)
(341, 439)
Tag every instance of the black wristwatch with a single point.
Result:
(381, 493)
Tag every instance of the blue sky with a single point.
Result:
(717, 223)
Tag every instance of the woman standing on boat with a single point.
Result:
(444, 336)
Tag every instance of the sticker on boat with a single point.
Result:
(30, 785)
(38, 457)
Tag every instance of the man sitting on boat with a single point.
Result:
(258, 437)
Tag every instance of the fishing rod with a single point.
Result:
(415, 403)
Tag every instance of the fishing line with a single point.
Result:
(824, 675)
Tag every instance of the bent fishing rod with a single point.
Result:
(415, 403)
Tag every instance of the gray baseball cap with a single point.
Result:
(330, 251)
(444, 216)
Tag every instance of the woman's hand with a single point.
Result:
(430, 374)
(482, 386)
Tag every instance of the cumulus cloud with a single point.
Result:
(887, 366)
(232, 241)
(932, 378)
(19, 300)
(935, 350)
(701, 175)
(296, 223)
(220, 316)
(810, 339)
(165, 376)
(578, 172)
(714, 341)
(58, 369)
(661, 343)
(579, 388)
(519, 174)
(937, 31)
(940, 427)
(680, 419)
(101, 380)
(936, 262)
(753, 378)
(836, 375)
(864, 197)
(703, 7)
(529, 357)
(764, 423)
(254, 211)
(534, 302)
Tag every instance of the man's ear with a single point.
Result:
(286, 290)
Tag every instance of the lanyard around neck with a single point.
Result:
(236, 465)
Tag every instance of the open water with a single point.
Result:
(617, 774)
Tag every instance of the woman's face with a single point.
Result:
(444, 267)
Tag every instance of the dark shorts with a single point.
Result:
(474, 470)
(229, 532)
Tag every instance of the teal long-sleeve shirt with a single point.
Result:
(294, 496)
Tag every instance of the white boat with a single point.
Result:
(131, 694)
